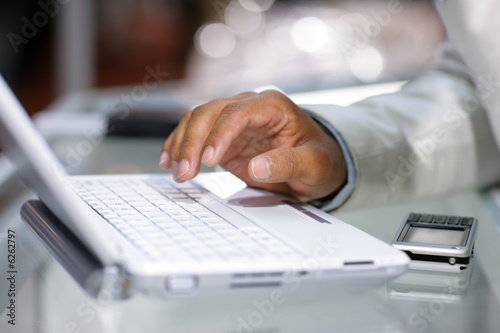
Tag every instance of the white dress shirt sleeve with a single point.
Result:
(430, 138)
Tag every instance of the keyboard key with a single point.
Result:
(183, 230)
(154, 215)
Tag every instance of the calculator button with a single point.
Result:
(440, 219)
(453, 220)
(413, 217)
(467, 221)
(426, 218)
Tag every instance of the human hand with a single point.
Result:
(262, 138)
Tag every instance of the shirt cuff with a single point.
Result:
(345, 191)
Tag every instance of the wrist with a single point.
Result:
(346, 181)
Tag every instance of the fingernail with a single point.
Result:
(175, 169)
(183, 168)
(163, 159)
(261, 168)
(208, 154)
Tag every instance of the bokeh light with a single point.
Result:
(243, 21)
(310, 34)
(366, 64)
(256, 5)
(215, 40)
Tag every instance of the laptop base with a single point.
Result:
(73, 256)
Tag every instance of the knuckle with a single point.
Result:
(321, 164)
(168, 140)
(211, 109)
(291, 163)
(166, 146)
(174, 152)
(175, 147)
(272, 94)
(232, 107)
(200, 110)
(230, 116)
(175, 144)
(188, 144)
(186, 116)
(234, 167)
(217, 132)
(245, 94)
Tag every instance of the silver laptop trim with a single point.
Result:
(39, 168)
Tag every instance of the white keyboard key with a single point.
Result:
(183, 230)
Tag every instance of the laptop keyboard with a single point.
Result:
(168, 221)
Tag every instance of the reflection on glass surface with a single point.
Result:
(258, 310)
(448, 287)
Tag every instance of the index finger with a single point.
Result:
(262, 113)
(189, 147)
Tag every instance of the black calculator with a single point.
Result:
(435, 240)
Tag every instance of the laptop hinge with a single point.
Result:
(99, 281)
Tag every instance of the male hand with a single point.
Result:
(264, 139)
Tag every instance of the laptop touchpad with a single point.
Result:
(301, 230)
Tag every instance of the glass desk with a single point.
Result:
(48, 300)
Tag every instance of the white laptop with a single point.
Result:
(207, 236)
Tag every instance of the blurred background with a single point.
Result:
(52, 47)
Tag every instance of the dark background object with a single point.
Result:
(143, 123)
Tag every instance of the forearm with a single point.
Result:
(431, 138)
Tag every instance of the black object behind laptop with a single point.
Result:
(143, 123)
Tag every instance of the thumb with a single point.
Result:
(278, 165)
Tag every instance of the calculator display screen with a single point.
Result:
(440, 236)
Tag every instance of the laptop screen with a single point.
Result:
(40, 170)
